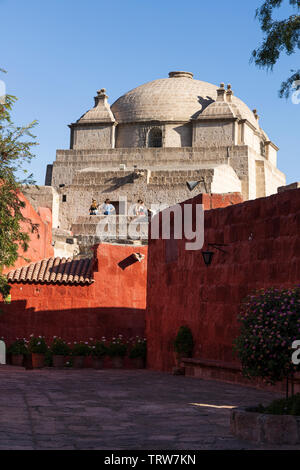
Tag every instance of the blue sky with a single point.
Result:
(58, 53)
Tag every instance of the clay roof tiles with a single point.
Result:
(54, 271)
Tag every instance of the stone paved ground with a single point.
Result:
(111, 409)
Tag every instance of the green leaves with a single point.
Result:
(281, 37)
(16, 152)
(184, 342)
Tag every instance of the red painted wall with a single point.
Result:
(214, 201)
(40, 243)
(263, 250)
(114, 304)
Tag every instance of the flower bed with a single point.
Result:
(117, 352)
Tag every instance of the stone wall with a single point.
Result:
(214, 134)
(44, 196)
(93, 136)
(69, 161)
(153, 186)
(263, 250)
(240, 157)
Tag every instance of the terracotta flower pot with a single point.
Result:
(78, 362)
(58, 361)
(17, 359)
(38, 360)
(138, 363)
(117, 362)
(97, 362)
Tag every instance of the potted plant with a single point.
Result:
(98, 352)
(18, 349)
(59, 350)
(117, 351)
(37, 347)
(183, 344)
(138, 352)
(79, 351)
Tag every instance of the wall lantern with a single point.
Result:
(192, 184)
(208, 255)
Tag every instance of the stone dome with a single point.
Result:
(177, 98)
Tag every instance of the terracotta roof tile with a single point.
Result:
(54, 271)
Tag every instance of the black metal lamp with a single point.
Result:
(192, 184)
(207, 257)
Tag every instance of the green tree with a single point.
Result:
(16, 143)
(280, 37)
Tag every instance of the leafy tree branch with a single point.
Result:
(280, 37)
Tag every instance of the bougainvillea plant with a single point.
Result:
(270, 322)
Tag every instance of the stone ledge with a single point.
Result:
(288, 187)
(265, 428)
(230, 372)
(213, 363)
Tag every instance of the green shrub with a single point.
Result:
(59, 347)
(18, 347)
(269, 323)
(117, 347)
(184, 343)
(99, 349)
(138, 349)
(37, 345)
(80, 349)
(282, 406)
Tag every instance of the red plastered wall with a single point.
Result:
(263, 250)
(40, 242)
(114, 304)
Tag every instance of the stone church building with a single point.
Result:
(153, 140)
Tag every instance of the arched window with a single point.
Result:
(155, 137)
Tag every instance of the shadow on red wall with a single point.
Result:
(17, 321)
(263, 250)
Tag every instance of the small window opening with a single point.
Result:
(155, 137)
